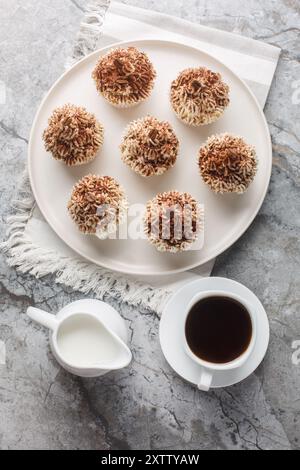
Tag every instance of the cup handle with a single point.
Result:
(205, 381)
(43, 318)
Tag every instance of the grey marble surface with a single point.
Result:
(148, 406)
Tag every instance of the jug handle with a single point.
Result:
(43, 318)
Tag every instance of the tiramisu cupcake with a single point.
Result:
(124, 77)
(199, 96)
(173, 221)
(150, 147)
(98, 205)
(227, 164)
(73, 135)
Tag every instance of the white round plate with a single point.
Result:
(172, 327)
(226, 217)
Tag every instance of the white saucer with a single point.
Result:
(171, 332)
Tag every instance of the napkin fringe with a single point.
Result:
(75, 273)
(91, 29)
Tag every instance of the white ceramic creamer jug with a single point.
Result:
(88, 337)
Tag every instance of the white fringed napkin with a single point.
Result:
(32, 246)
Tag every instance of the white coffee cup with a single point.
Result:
(209, 368)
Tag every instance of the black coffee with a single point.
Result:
(218, 329)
